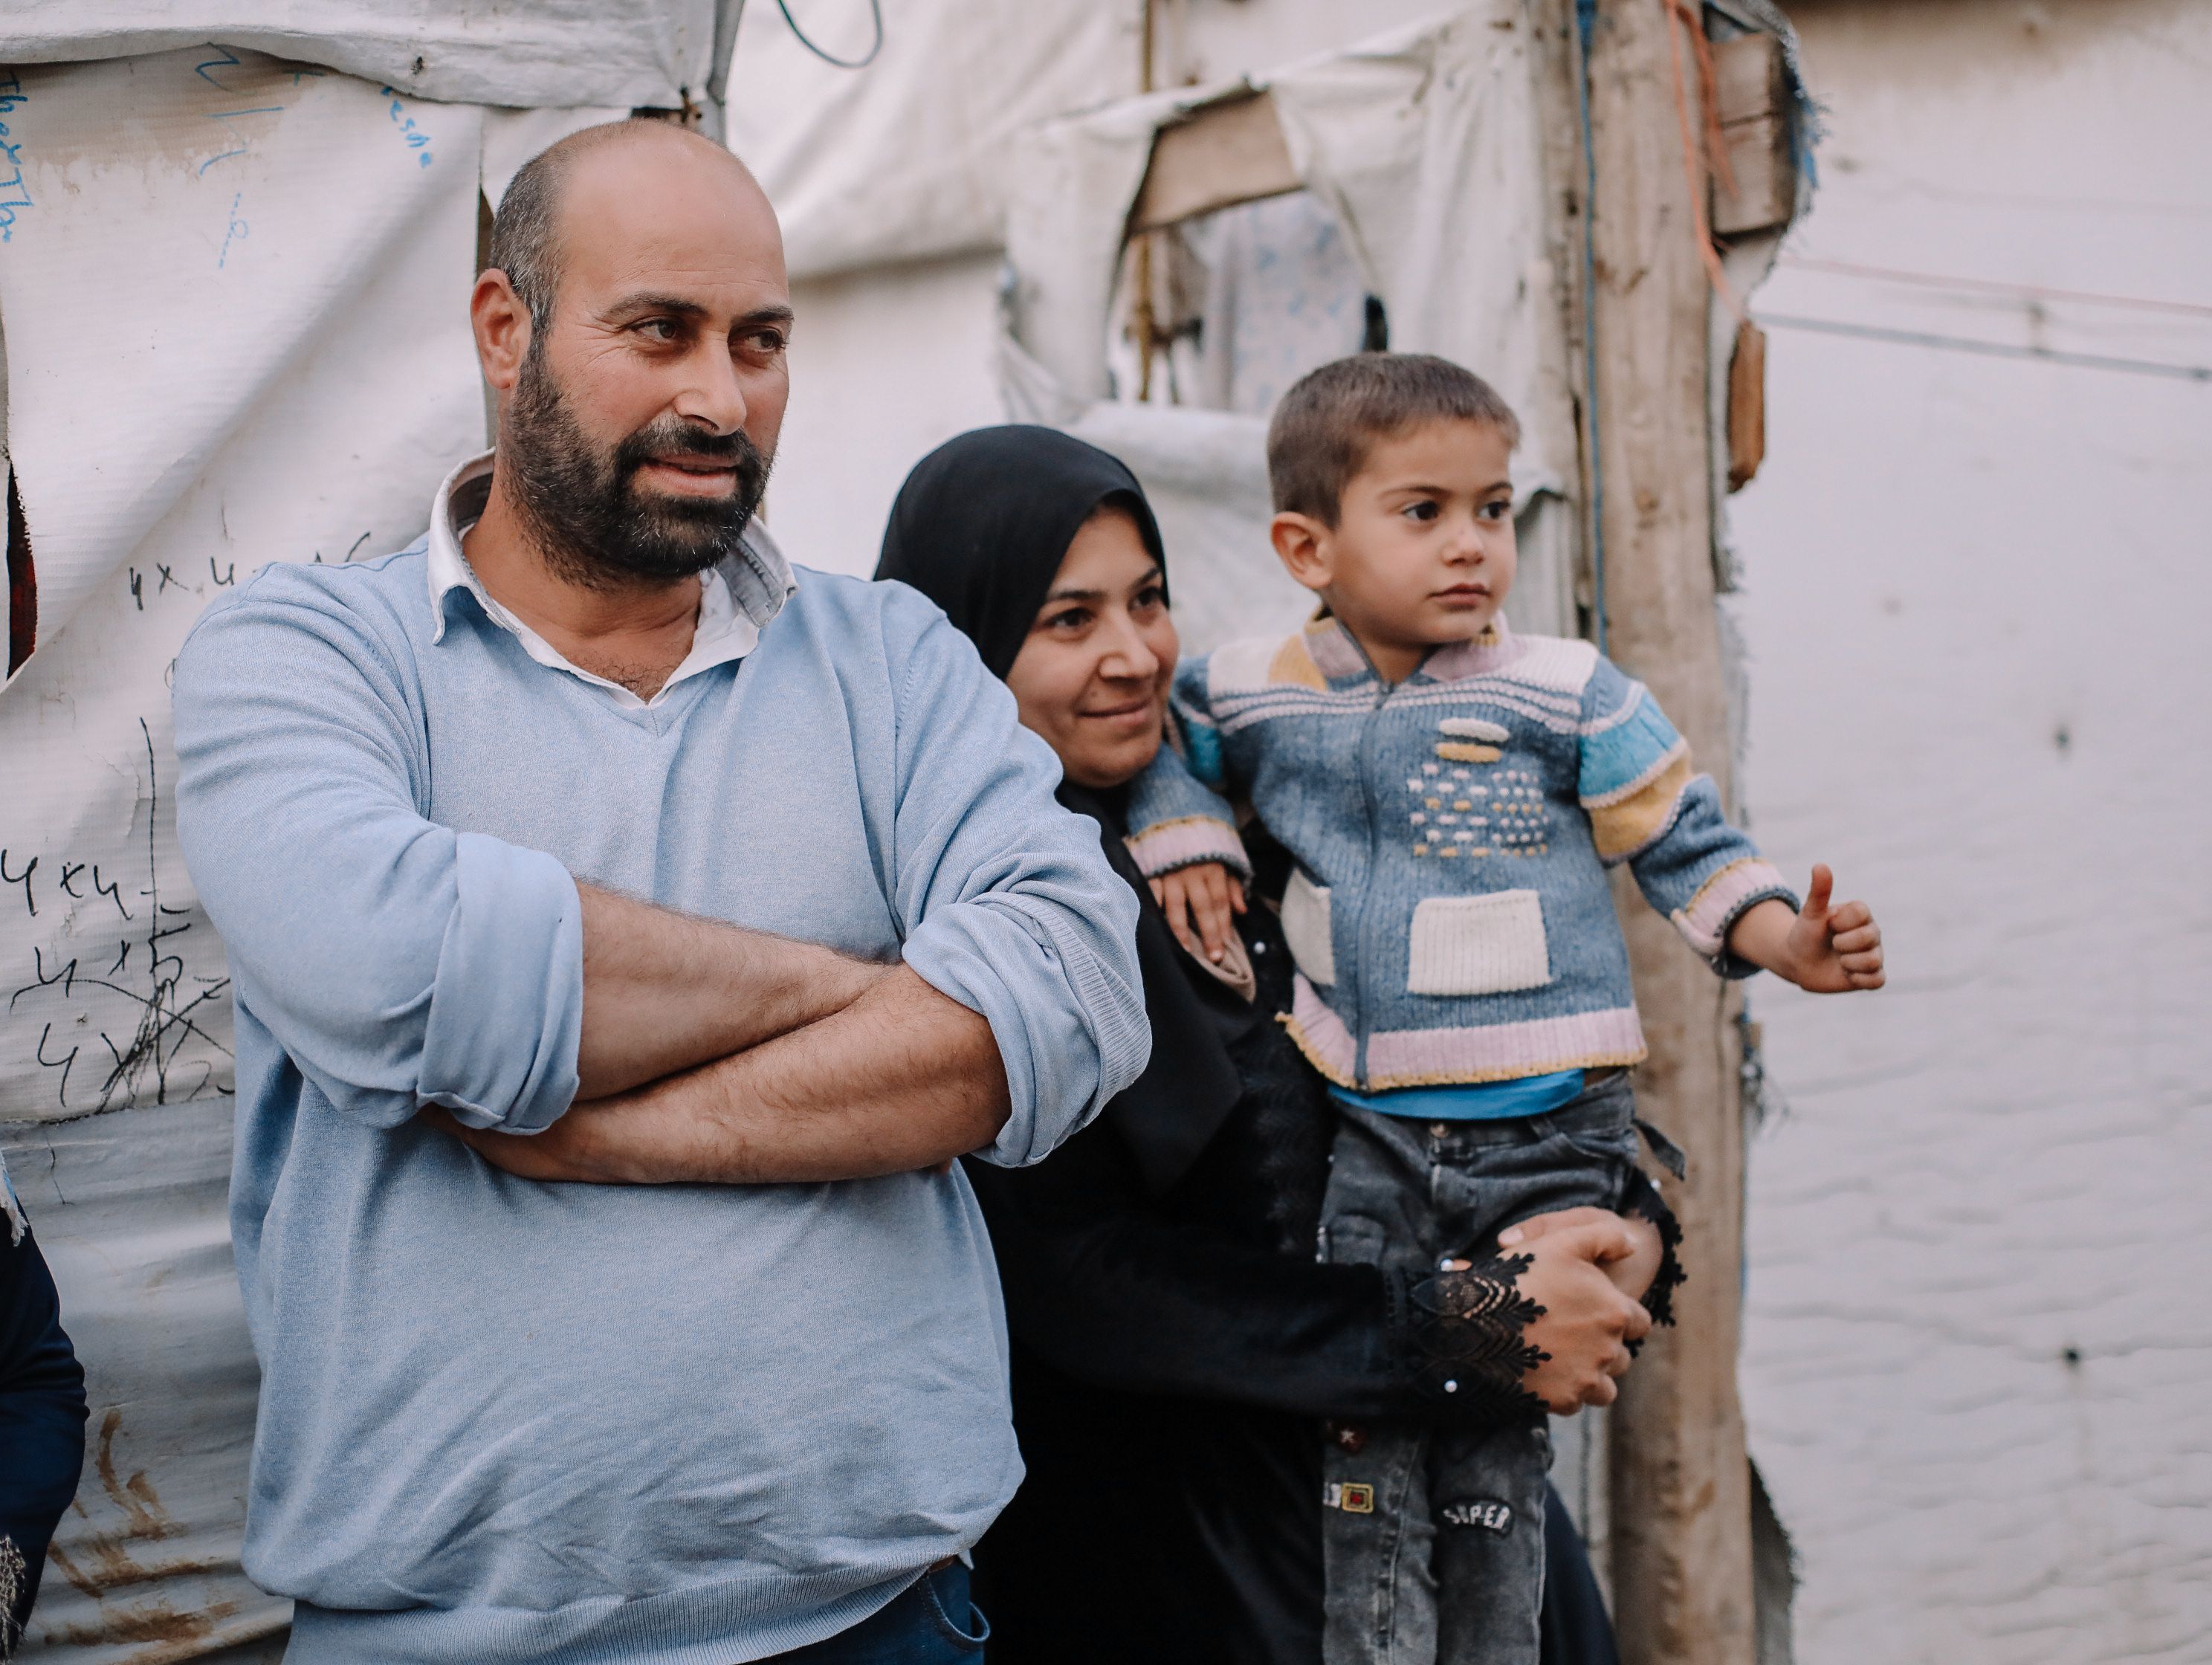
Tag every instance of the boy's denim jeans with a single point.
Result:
(933, 1623)
(1445, 1565)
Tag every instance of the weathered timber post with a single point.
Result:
(1679, 1479)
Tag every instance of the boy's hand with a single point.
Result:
(1201, 903)
(1824, 949)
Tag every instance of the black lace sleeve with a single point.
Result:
(1644, 1199)
(1471, 1329)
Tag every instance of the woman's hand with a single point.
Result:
(1632, 1273)
(1201, 903)
(1587, 1321)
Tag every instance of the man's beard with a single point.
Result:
(580, 502)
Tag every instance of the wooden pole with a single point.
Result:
(1681, 1504)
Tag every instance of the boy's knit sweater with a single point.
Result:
(1449, 910)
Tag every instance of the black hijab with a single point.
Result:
(980, 527)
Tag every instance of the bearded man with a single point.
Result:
(588, 839)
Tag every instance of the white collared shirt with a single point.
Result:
(737, 596)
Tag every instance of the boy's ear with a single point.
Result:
(1301, 544)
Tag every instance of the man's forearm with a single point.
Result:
(664, 992)
(902, 1078)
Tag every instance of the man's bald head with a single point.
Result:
(526, 230)
(633, 323)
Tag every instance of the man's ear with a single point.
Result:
(501, 325)
(1301, 544)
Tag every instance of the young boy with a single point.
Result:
(1450, 795)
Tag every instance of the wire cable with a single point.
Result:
(875, 10)
(1995, 286)
(2138, 367)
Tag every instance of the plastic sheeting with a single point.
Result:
(1427, 146)
(548, 54)
(907, 158)
(234, 301)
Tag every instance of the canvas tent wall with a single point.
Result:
(233, 259)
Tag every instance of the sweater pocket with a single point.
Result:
(1306, 927)
(1486, 944)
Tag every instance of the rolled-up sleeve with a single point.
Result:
(1005, 898)
(399, 963)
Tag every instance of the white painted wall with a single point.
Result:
(1976, 604)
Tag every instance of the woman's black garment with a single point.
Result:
(1175, 1345)
(1576, 1628)
(42, 1415)
(1175, 1351)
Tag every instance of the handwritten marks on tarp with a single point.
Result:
(12, 199)
(138, 1026)
(234, 294)
(237, 332)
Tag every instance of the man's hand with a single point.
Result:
(1632, 1273)
(566, 1151)
(1201, 902)
(1824, 949)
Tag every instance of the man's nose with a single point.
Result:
(714, 396)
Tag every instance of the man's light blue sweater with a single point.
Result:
(507, 1420)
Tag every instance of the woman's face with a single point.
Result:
(1092, 677)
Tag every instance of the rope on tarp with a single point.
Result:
(1710, 162)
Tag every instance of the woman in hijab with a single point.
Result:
(1175, 1347)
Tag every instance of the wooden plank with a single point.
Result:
(1750, 78)
(1752, 100)
(1746, 405)
(1765, 175)
(1680, 1482)
(1225, 153)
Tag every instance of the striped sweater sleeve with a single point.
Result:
(1647, 807)
(1177, 818)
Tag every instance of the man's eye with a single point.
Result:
(660, 329)
(769, 342)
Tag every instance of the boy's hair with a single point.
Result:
(1326, 424)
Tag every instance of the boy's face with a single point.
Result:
(1422, 553)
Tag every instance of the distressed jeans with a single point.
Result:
(1433, 1534)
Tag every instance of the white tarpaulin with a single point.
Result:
(234, 304)
(1427, 146)
(547, 53)
(907, 158)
